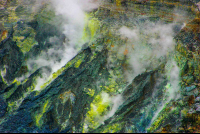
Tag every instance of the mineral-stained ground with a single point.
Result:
(103, 66)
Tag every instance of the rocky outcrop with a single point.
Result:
(137, 97)
(71, 100)
(12, 58)
(65, 99)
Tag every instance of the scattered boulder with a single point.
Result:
(190, 88)
(12, 58)
(197, 100)
(188, 79)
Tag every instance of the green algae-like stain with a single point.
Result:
(4, 71)
(92, 25)
(25, 44)
(113, 128)
(38, 115)
(98, 108)
(16, 81)
(78, 63)
(91, 92)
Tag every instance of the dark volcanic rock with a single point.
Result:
(136, 96)
(69, 84)
(23, 88)
(13, 58)
(65, 101)
(3, 107)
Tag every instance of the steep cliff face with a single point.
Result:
(131, 66)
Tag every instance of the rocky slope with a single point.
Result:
(135, 69)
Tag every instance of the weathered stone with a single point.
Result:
(12, 60)
(191, 111)
(197, 99)
(2, 84)
(198, 110)
(19, 10)
(194, 92)
(3, 104)
(2, 113)
(188, 89)
(196, 105)
(188, 79)
(3, 107)
(28, 86)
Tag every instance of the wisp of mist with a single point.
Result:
(72, 13)
(153, 45)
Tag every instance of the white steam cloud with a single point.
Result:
(131, 34)
(116, 101)
(172, 71)
(153, 45)
(113, 101)
(172, 88)
(148, 46)
(72, 23)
